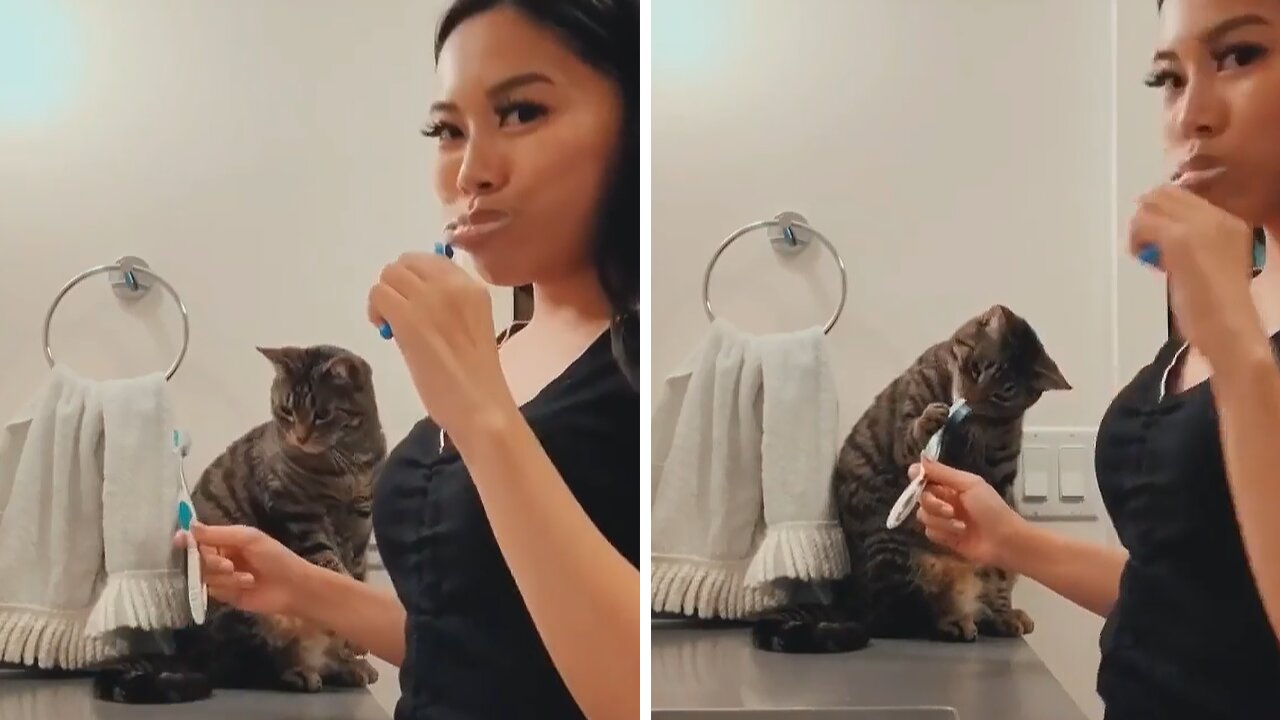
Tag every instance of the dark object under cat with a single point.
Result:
(902, 585)
(305, 477)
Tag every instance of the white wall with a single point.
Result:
(957, 153)
(262, 156)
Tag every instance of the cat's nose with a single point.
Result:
(301, 435)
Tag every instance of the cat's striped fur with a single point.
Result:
(902, 585)
(305, 477)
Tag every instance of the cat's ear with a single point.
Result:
(345, 369)
(1046, 376)
(284, 358)
(996, 320)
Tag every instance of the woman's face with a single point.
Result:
(1218, 67)
(527, 136)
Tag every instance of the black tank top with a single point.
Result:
(471, 649)
(1188, 636)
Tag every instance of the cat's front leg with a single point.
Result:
(954, 591)
(930, 421)
(999, 617)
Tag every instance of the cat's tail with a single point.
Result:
(150, 680)
(809, 629)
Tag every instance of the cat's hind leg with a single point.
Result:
(344, 668)
(999, 618)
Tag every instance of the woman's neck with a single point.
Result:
(577, 300)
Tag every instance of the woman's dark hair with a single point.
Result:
(604, 34)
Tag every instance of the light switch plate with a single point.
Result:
(1055, 475)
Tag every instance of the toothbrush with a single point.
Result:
(910, 497)
(197, 592)
(1149, 255)
(444, 249)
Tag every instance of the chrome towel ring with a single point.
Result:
(131, 279)
(793, 237)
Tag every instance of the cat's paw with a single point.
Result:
(930, 421)
(301, 680)
(1007, 623)
(959, 630)
(356, 672)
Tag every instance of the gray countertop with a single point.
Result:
(717, 668)
(24, 696)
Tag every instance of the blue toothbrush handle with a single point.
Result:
(441, 249)
(1149, 255)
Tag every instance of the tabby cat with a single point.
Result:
(304, 477)
(902, 585)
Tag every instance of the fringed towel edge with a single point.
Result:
(143, 599)
(803, 551)
(707, 590)
(52, 639)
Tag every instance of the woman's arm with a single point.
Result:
(253, 571)
(1086, 573)
(583, 596)
(1246, 389)
(367, 616)
(961, 511)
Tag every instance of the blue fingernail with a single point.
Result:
(184, 515)
(445, 250)
(385, 331)
(1150, 256)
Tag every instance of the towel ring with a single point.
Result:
(130, 279)
(788, 241)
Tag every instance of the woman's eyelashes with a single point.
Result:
(1242, 53)
(512, 114)
(1233, 57)
(441, 131)
(521, 112)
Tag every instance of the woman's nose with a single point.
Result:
(483, 170)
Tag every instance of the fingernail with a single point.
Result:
(444, 249)
(957, 526)
(385, 331)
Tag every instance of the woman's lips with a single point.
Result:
(476, 224)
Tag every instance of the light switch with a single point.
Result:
(1036, 464)
(1072, 472)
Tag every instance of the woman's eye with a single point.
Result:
(1163, 78)
(522, 112)
(442, 131)
(1242, 55)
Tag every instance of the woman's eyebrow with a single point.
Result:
(1216, 33)
(500, 89)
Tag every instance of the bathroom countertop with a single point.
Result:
(717, 668)
(27, 697)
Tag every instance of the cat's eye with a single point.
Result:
(322, 415)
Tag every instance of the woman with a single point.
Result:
(509, 519)
(1188, 461)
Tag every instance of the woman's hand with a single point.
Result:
(246, 568)
(443, 323)
(1208, 255)
(960, 511)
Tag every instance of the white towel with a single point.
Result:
(744, 440)
(803, 540)
(88, 482)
